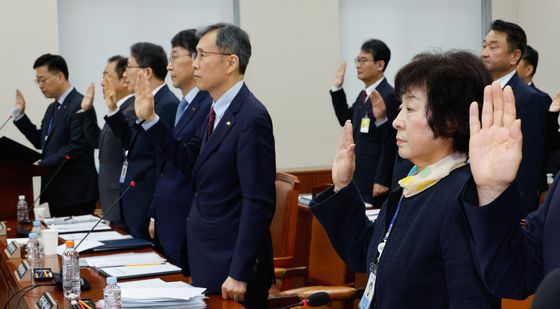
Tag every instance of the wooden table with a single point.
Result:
(9, 283)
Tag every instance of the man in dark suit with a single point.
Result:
(66, 153)
(373, 134)
(501, 52)
(111, 151)
(512, 259)
(173, 194)
(140, 155)
(228, 237)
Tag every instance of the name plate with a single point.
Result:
(22, 269)
(3, 228)
(46, 302)
(13, 250)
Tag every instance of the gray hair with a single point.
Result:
(230, 39)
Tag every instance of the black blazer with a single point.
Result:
(76, 182)
(142, 156)
(375, 151)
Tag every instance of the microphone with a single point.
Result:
(136, 179)
(314, 300)
(548, 292)
(66, 158)
(5, 122)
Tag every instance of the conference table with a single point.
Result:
(9, 283)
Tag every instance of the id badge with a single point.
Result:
(367, 298)
(364, 126)
(123, 171)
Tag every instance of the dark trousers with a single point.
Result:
(74, 210)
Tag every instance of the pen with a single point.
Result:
(145, 264)
(84, 304)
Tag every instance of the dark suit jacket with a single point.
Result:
(530, 109)
(551, 135)
(375, 151)
(427, 260)
(76, 182)
(142, 156)
(173, 192)
(514, 260)
(234, 200)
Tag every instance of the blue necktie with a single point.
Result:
(56, 107)
(181, 109)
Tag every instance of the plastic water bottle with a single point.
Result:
(22, 215)
(37, 229)
(33, 255)
(70, 272)
(112, 294)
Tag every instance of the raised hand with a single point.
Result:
(87, 101)
(555, 105)
(344, 162)
(144, 103)
(494, 146)
(339, 77)
(20, 101)
(378, 106)
(379, 190)
(109, 94)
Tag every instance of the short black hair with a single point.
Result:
(531, 56)
(54, 63)
(231, 39)
(379, 50)
(186, 39)
(451, 81)
(515, 35)
(149, 55)
(120, 65)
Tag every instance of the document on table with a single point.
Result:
(78, 227)
(133, 271)
(85, 245)
(99, 236)
(124, 259)
(70, 220)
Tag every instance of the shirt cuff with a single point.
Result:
(152, 220)
(381, 122)
(147, 125)
(335, 88)
(113, 113)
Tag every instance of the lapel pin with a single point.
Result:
(228, 123)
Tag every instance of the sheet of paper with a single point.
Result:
(78, 227)
(112, 260)
(99, 236)
(85, 245)
(137, 271)
(70, 220)
(20, 241)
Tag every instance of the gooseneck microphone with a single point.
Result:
(136, 179)
(314, 300)
(5, 122)
(548, 292)
(66, 159)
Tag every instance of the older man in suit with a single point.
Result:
(228, 238)
(140, 155)
(66, 154)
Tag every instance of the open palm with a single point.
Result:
(344, 162)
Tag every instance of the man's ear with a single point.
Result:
(516, 56)
(149, 73)
(232, 63)
(380, 65)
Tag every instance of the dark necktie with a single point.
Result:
(362, 97)
(211, 119)
(180, 110)
(56, 106)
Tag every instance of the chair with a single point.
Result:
(283, 226)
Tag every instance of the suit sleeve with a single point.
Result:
(30, 131)
(91, 129)
(384, 169)
(341, 109)
(120, 125)
(256, 166)
(344, 219)
(509, 257)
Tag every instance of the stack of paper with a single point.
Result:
(372, 214)
(99, 236)
(156, 293)
(123, 259)
(70, 220)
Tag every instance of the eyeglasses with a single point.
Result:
(128, 67)
(174, 58)
(203, 54)
(42, 80)
(361, 61)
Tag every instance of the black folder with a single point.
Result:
(123, 244)
(11, 150)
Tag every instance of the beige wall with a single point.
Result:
(540, 21)
(296, 50)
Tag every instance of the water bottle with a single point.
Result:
(33, 257)
(70, 272)
(22, 215)
(37, 229)
(112, 294)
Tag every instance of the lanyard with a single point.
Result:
(381, 245)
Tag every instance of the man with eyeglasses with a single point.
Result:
(233, 174)
(150, 60)
(372, 115)
(66, 154)
(173, 193)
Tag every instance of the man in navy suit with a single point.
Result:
(512, 259)
(173, 193)
(233, 172)
(373, 134)
(66, 153)
(501, 52)
(151, 60)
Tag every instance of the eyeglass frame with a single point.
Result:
(195, 55)
(362, 61)
(45, 79)
(173, 58)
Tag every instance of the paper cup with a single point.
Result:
(40, 213)
(50, 241)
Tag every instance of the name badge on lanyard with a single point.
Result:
(364, 125)
(124, 167)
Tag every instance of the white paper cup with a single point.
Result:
(40, 213)
(50, 241)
